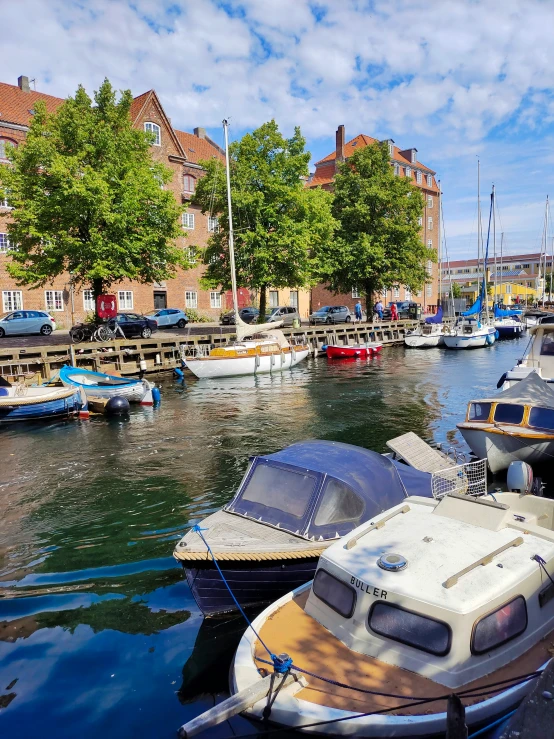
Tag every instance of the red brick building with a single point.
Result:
(178, 150)
(406, 164)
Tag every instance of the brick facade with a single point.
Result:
(405, 164)
(178, 150)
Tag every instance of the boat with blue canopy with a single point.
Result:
(100, 385)
(507, 322)
(428, 334)
(289, 508)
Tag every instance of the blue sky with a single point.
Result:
(457, 79)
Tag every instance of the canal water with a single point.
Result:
(99, 634)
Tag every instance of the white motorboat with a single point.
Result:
(428, 334)
(516, 424)
(101, 385)
(538, 357)
(258, 348)
(469, 333)
(430, 598)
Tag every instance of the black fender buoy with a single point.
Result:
(502, 380)
(117, 406)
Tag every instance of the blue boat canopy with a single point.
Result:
(505, 312)
(475, 308)
(323, 489)
(437, 318)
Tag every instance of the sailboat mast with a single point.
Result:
(495, 299)
(231, 236)
(479, 232)
(439, 255)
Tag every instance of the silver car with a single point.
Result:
(284, 313)
(331, 314)
(26, 322)
(167, 317)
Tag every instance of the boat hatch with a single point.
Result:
(321, 490)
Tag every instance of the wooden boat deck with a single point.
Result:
(314, 648)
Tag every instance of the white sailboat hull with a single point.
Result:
(482, 337)
(502, 449)
(423, 341)
(211, 367)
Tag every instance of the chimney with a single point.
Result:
(23, 83)
(339, 151)
(200, 133)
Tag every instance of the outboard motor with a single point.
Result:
(520, 478)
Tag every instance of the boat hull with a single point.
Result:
(420, 341)
(43, 410)
(510, 332)
(253, 583)
(470, 341)
(356, 351)
(96, 385)
(206, 367)
(500, 449)
(291, 711)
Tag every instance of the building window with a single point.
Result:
(273, 298)
(189, 184)
(191, 254)
(429, 180)
(191, 299)
(396, 169)
(428, 290)
(356, 293)
(54, 299)
(391, 149)
(429, 224)
(12, 300)
(395, 292)
(420, 221)
(418, 178)
(408, 171)
(508, 289)
(215, 299)
(430, 243)
(125, 300)
(4, 148)
(88, 300)
(293, 299)
(213, 224)
(429, 201)
(4, 203)
(414, 156)
(154, 129)
(407, 293)
(188, 220)
(429, 267)
(4, 243)
(526, 266)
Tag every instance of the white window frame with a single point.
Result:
(397, 169)
(429, 201)
(420, 221)
(213, 224)
(428, 290)
(293, 299)
(12, 300)
(88, 300)
(191, 299)
(154, 128)
(53, 300)
(4, 205)
(191, 253)
(407, 293)
(430, 223)
(429, 180)
(396, 292)
(391, 148)
(273, 302)
(430, 243)
(408, 171)
(429, 267)
(125, 300)
(356, 292)
(414, 156)
(215, 299)
(418, 178)
(5, 245)
(185, 188)
(187, 220)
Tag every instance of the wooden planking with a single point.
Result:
(417, 453)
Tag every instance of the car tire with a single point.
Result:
(46, 330)
(2, 333)
(348, 319)
(328, 321)
(146, 332)
(182, 323)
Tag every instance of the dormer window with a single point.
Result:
(418, 178)
(390, 143)
(430, 180)
(414, 156)
(396, 169)
(408, 171)
(154, 129)
(189, 184)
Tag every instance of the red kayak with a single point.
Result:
(363, 351)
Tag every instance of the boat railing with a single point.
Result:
(469, 478)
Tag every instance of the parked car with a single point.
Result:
(284, 313)
(169, 317)
(133, 324)
(26, 322)
(406, 309)
(248, 315)
(331, 314)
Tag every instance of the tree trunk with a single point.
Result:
(369, 287)
(263, 304)
(97, 289)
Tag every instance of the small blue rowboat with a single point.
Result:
(22, 403)
(99, 385)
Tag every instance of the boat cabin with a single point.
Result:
(539, 356)
(448, 589)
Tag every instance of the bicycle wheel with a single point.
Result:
(103, 333)
(77, 335)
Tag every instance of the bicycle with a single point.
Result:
(108, 331)
(82, 332)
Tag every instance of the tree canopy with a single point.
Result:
(378, 243)
(279, 224)
(87, 198)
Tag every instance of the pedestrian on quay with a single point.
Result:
(378, 309)
(358, 311)
(393, 312)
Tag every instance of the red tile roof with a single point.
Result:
(196, 148)
(506, 259)
(16, 105)
(359, 142)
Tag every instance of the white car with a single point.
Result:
(26, 322)
(169, 317)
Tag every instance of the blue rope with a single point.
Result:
(491, 726)
(279, 665)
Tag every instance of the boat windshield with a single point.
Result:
(479, 411)
(542, 418)
(508, 413)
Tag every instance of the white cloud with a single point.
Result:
(453, 78)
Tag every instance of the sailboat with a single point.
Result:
(470, 331)
(258, 348)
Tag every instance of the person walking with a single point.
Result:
(358, 311)
(393, 312)
(379, 309)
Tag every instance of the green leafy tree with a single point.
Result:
(378, 242)
(87, 198)
(456, 290)
(279, 224)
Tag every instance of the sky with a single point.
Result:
(457, 79)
